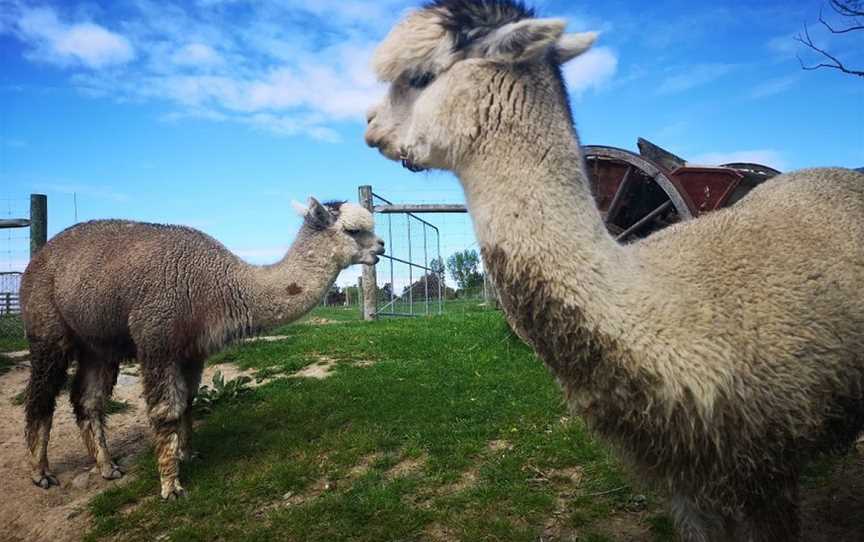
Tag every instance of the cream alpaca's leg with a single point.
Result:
(165, 391)
(91, 387)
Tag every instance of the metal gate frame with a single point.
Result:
(369, 282)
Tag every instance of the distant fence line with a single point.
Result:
(37, 222)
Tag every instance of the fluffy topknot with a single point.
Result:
(470, 20)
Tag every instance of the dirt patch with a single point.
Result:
(20, 355)
(499, 446)
(266, 339)
(321, 369)
(364, 466)
(439, 533)
(325, 368)
(406, 467)
(834, 511)
(30, 514)
(317, 321)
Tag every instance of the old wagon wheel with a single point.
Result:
(635, 197)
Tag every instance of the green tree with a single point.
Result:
(463, 267)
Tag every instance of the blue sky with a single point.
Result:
(218, 113)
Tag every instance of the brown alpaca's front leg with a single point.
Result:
(47, 376)
(166, 394)
(191, 372)
(776, 518)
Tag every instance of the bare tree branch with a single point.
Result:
(840, 31)
(848, 8)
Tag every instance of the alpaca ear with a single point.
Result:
(318, 215)
(299, 208)
(522, 41)
(569, 46)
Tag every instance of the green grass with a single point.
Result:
(12, 337)
(352, 313)
(439, 392)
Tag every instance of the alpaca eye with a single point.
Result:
(352, 232)
(421, 81)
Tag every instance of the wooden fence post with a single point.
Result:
(370, 278)
(38, 222)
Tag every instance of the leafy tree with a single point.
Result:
(437, 267)
(463, 267)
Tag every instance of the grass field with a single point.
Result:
(443, 428)
(12, 334)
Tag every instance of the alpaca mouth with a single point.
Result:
(409, 164)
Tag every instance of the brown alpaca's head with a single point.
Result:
(347, 228)
(451, 67)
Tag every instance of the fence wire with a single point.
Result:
(408, 281)
(428, 269)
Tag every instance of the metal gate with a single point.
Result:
(412, 285)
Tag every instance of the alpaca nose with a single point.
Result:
(371, 113)
(372, 140)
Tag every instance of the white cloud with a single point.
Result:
(56, 42)
(590, 70)
(695, 76)
(196, 54)
(768, 157)
(784, 45)
(292, 68)
(772, 87)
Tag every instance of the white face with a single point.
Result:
(432, 113)
(356, 227)
(351, 230)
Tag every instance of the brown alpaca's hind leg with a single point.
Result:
(47, 375)
(191, 372)
(776, 519)
(91, 388)
(167, 398)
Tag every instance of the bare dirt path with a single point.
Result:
(31, 514)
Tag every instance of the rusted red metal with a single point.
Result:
(707, 188)
(639, 194)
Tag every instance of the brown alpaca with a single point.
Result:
(169, 296)
(718, 355)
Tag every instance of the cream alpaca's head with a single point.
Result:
(349, 230)
(442, 64)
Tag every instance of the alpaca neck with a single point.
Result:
(563, 279)
(285, 291)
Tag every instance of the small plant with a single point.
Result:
(221, 391)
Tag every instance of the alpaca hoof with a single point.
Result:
(112, 472)
(46, 480)
(176, 494)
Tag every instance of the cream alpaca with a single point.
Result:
(718, 355)
(169, 296)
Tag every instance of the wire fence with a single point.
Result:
(14, 242)
(14, 256)
(416, 277)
